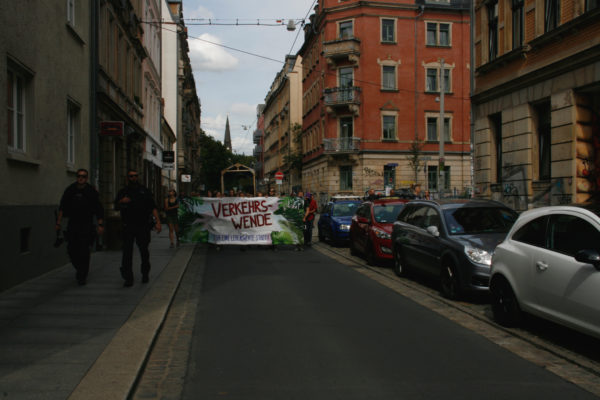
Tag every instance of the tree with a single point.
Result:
(214, 158)
(414, 158)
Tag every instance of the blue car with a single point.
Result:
(334, 222)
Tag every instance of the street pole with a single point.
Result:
(441, 176)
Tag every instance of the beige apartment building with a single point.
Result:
(536, 101)
(45, 119)
(282, 113)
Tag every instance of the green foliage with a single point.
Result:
(214, 158)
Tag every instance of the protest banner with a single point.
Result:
(241, 220)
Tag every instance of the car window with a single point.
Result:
(405, 213)
(432, 218)
(568, 234)
(364, 211)
(473, 220)
(343, 210)
(417, 217)
(386, 213)
(533, 232)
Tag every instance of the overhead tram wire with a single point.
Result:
(378, 84)
(298, 33)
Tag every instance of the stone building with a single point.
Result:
(282, 111)
(371, 91)
(45, 119)
(536, 101)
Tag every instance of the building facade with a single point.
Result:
(536, 101)
(45, 127)
(282, 112)
(258, 137)
(371, 96)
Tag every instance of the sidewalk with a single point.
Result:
(59, 340)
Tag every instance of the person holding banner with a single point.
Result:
(309, 218)
(136, 204)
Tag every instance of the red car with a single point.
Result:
(371, 228)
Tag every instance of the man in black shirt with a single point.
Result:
(137, 208)
(80, 203)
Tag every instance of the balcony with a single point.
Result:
(342, 99)
(342, 51)
(341, 145)
(257, 150)
(257, 135)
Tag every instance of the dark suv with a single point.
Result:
(452, 240)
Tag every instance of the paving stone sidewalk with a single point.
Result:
(59, 340)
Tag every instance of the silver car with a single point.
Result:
(549, 266)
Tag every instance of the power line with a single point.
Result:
(298, 34)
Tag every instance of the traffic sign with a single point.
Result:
(279, 175)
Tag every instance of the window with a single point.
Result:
(517, 23)
(388, 81)
(346, 177)
(346, 31)
(432, 177)
(346, 127)
(552, 14)
(389, 127)
(16, 100)
(496, 141)
(71, 12)
(431, 84)
(568, 234)
(533, 233)
(544, 130)
(492, 30)
(432, 129)
(438, 34)
(432, 81)
(72, 130)
(389, 176)
(388, 30)
(591, 4)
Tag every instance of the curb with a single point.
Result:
(115, 372)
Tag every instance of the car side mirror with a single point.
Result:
(589, 256)
(362, 220)
(433, 230)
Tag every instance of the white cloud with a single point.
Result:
(200, 12)
(206, 56)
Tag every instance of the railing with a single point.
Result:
(257, 149)
(342, 95)
(341, 145)
(341, 47)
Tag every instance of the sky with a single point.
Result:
(231, 83)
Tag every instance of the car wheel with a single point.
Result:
(450, 287)
(399, 264)
(505, 305)
(371, 256)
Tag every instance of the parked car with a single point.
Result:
(451, 240)
(334, 221)
(549, 266)
(371, 228)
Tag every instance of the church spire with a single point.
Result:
(227, 141)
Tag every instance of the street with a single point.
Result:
(263, 324)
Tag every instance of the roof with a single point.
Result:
(454, 203)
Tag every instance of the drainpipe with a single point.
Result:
(94, 141)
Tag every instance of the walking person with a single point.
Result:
(171, 209)
(80, 202)
(137, 207)
(309, 218)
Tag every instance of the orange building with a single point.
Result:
(371, 96)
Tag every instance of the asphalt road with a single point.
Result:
(300, 325)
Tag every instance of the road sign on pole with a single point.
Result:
(278, 177)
